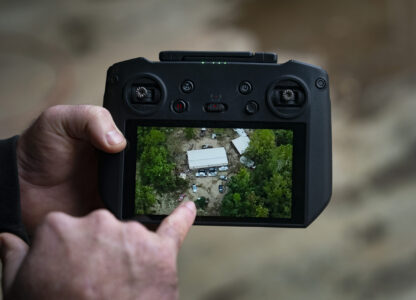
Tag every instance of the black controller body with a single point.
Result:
(223, 89)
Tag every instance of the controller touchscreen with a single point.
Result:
(227, 172)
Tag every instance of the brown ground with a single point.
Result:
(363, 245)
(206, 186)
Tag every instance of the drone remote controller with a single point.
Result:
(245, 138)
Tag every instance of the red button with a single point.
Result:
(179, 106)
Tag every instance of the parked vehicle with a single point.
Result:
(200, 174)
(223, 168)
(247, 162)
(223, 177)
(202, 132)
(202, 171)
(212, 174)
(221, 188)
(212, 170)
(213, 136)
(194, 188)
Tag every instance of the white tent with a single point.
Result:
(206, 158)
(241, 143)
(240, 131)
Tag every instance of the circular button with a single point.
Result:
(179, 106)
(245, 87)
(320, 83)
(187, 86)
(252, 107)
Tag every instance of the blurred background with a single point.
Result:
(363, 246)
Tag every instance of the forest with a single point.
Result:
(265, 191)
(155, 168)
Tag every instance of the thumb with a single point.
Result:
(90, 123)
(12, 252)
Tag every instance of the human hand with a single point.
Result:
(96, 257)
(57, 162)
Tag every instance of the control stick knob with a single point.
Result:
(288, 95)
(141, 92)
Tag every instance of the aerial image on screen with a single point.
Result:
(226, 172)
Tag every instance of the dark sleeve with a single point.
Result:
(10, 212)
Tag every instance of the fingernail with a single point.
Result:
(190, 205)
(114, 137)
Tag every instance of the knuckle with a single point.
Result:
(102, 217)
(53, 111)
(54, 218)
(96, 113)
(102, 214)
(135, 228)
(56, 221)
(49, 114)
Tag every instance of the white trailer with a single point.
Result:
(206, 158)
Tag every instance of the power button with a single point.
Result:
(179, 106)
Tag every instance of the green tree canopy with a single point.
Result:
(265, 191)
(201, 203)
(145, 199)
(155, 169)
(279, 196)
(155, 137)
(189, 133)
(283, 137)
(241, 200)
(262, 142)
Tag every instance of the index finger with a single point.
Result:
(176, 226)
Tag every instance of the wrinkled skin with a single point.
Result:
(96, 257)
(74, 256)
(57, 161)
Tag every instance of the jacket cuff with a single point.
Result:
(10, 209)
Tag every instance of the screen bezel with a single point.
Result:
(298, 173)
